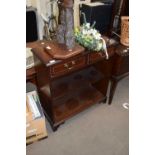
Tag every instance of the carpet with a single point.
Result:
(100, 130)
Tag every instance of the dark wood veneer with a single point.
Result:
(120, 68)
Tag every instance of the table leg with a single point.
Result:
(112, 90)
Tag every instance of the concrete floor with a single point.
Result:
(99, 130)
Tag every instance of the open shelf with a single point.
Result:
(75, 81)
(74, 93)
(75, 102)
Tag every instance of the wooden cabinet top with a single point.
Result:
(40, 51)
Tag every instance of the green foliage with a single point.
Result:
(89, 37)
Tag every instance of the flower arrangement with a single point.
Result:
(90, 38)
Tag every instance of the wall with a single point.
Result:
(42, 7)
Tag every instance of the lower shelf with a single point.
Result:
(72, 94)
(75, 81)
(75, 102)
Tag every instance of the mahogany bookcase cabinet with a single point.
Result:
(67, 87)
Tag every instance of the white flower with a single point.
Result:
(94, 32)
(89, 31)
(99, 46)
(97, 36)
(87, 25)
(84, 32)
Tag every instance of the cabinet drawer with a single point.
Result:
(93, 57)
(68, 66)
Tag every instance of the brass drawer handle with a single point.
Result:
(70, 68)
(67, 66)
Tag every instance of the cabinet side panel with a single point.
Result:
(43, 83)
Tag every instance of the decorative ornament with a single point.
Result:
(90, 38)
(65, 32)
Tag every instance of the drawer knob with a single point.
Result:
(73, 62)
(70, 68)
(66, 65)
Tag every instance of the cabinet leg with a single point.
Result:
(103, 101)
(112, 90)
(55, 128)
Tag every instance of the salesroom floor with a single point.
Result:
(99, 130)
